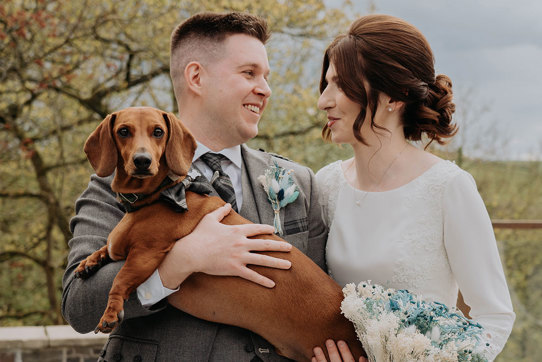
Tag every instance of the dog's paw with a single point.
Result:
(88, 268)
(86, 271)
(107, 325)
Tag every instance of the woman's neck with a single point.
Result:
(377, 166)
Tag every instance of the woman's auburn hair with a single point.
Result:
(384, 54)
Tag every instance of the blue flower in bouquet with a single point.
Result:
(281, 190)
(396, 325)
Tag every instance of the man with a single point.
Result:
(219, 70)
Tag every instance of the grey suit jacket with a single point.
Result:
(164, 333)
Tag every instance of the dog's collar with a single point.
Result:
(132, 198)
(174, 196)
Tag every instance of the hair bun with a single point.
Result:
(440, 97)
(437, 110)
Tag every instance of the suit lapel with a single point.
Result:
(249, 208)
(255, 207)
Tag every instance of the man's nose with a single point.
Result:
(263, 88)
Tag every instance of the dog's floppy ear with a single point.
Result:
(100, 148)
(180, 147)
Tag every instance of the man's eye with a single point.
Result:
(123, 132)
(249, 72)
(158, 132)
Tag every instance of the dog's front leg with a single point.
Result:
(92, 263)
(139, 266)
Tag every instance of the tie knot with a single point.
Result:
(220, 180)
(213, 161)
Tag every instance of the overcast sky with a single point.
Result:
(492, 51)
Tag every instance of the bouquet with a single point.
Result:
(396, 325)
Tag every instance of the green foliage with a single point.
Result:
(64, 66)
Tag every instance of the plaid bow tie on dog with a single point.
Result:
(220, 181)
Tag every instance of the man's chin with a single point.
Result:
(248, 134)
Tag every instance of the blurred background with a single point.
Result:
(64, 65)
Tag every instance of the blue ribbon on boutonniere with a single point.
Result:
(281, 190)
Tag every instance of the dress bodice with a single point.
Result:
(431, 236)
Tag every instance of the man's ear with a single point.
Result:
(101, 149)
(180, 147)
(192, 76)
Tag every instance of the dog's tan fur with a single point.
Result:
(299, 313)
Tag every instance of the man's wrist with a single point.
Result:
(168, 281)
(152, 290)
(176, 267)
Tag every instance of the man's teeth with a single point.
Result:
(252, 108)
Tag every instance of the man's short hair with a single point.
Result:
(200, 37)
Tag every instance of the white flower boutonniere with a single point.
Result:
(280, 189)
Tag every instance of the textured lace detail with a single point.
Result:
(423, 242)
(330, 179)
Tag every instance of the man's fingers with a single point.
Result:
(220, 213)
(268, 261)
(254, 277)
(268, 245)
(256, 229)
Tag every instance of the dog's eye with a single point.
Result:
(158, 132)
(123, 132)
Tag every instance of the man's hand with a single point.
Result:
(218, 249)
(340, 354)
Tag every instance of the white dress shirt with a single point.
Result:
(152, 290)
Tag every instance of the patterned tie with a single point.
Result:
(220, 181)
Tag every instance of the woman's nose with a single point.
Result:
(325, 102)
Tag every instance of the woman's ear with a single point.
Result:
(394, 105)
(101, 149)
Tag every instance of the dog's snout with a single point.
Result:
(142, 160)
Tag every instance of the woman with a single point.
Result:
(397, 214)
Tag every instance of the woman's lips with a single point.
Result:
(331, 121)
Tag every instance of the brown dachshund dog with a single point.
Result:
(145, 145)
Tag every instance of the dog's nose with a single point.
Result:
(142, 160)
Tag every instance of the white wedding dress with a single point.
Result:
(431, 236)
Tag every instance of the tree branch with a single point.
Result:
(295, 132)
(65, 164)
(94, 102)
(68, 127)
(21, 315)
(8, 255)
(21, 195)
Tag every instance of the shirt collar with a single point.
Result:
(232, 153)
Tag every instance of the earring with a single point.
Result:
(390, 109)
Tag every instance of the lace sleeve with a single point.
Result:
(329, 180)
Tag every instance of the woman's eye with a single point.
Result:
(123, 132)
(158, 132)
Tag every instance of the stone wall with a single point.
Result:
(49, 344)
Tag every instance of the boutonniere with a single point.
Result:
(280, 189)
